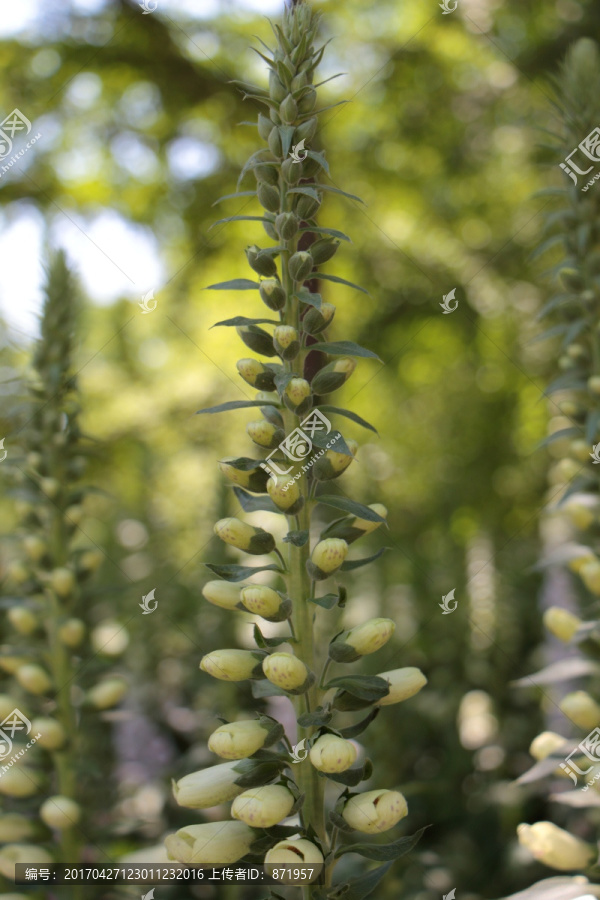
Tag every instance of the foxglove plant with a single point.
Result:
(46, 602)
(266, 783)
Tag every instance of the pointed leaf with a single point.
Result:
(306, 190)
(234, 404)
(354, 730)
(250, 503)
(337, 280)
(237, 284)
(330, 232)
(244, 320)
(362, 885)
(305, 296)
(318, 717)
(335, 440)
(237, 193)
(351, 564)
(327, 601)
(320, 158)
(344, 348)
(349, 415)
(384, 851)
(238, 219)
(239, 573)
(350, 506)
(287, 133)
(367, 687)
(334, 190)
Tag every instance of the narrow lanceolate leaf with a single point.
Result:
(344, 348)
(354, 730)
(237, 193)
(362, 885)
(305, 296)
(244, 320)
(383, 852)
(349, 415)
(330, 232)
(238, 219)
(238, 573)
(367, 687)
(235, 404)
(327, 601)
(337, 280)
(236, 284)
(320, 158)
(351, 564)
(333, 190)
(306, 190)
(250, 503)
(350, 506)
(335, 440)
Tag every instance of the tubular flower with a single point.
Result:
(375, 811)
(295, 852)
(555, 847)
(581, 709)
(223, 594)
(233, 665)
(208, 787)
(287, 672)
(264, 601)
(362, 640)
(561, 623)
(404, 683)
(263, 807)
(237, 740)
(326, 558)
(212, 843)
(331, 753)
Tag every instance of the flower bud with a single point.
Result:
(10, 662)
(285, 341)
(15, 827)
(582, 509)
(263, 807)
(22, 619)
(594, 384)
(268, 196)
(277, 90)
(404, 684)
(35, 547)
(7, 705)
(316, 320)
(20, 781)
(256, 374)
(333, 376)
(375, 811)
(545, 744)
(264, 601)
(286, 225)
(107, 693)
(214, 843)
(561, 623)
(308, 101)
(89, 562)
(223, 594)
(326, 558)
(52, 734)
(306, 207)
(306, 131)
(590, 575)
(294, 852)
(110, 638)
(272, 295)
(60, 812)
(265, 434)
(72, 632)
(300, 265)
(291, 171)
(266, 172)
(581, 709)
(362, 640)
(32, 854)
(258, 340)
(233, 665)
(208, 787)
(238, 471)
(288, 110)
(555, 847)
(260, 260)
(62, 581)
(285, 494)
(287, 672)
(333, 464)
(323, 250)
(50, 487)
(297, 396)
(245, 537)
(331, 753)
(351, 528)
(274, 142)
(237, 740)
(33, 678)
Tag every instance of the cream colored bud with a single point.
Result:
(582, 510)
(22, 619)
(326, 558)
(581, 709)
(297, 391)
(233, 665)
(90, 561)
(33, 678)
(365, 524)
(62, 581)
(294, 852)
(34, 547)
(15, 827)
(253, 479)
(264, 601)
(331, 753)
(213, 843)
(7, 705)
(72, 632)
(245, 537)
(375, 811)
(285, 494)
(11, 662)
(255, 374)
(590, 575)
(208, 787)
(50, 487)
(555, 847)
(561, 623)
(370, 636)
(265, 434)
(404, 683)
(263, 807)
(52, 734)
(223, 594)
(237, 740)
(60, 812)
(20, 781)
(11, 854)
(545, 744)
(107, 693)
(110, 638)
(286, 671)
(286, 342)
(333, 464)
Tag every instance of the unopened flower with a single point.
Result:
(296, 395)
(331, 753)
(545, 744)
(333, 376)
(285, 494)
(362, 640)
(20, 781)
(62, 581)
(263, 807)
(109, 638)
(11, 854)
(317, 320)
(375, 811)
(590, 575)
(265, 434)
(268, 196)
(581, 709)
(261, 261)
(52, 734)
(326, 558)
(257, 339)
(287, 224)
(301, 265)
(22, 619)
(294, 852)
(72, 632)
(286, 341)
(208, 787)
(351, 528)
(561, 623)
(237, 740)
(555, 847)
(264, 601)
(256, 374)
(213, 843)
(222, 593)
(15, 827)
(233, 665)
(404, 683)
(322, 250)
(107, 693)
(7, 705)
(333, 464)
(33, 678)
(287, 672)
(35, 547)
(60, 812)
(245, 537)
(240, 472)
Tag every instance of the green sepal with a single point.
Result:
(320, 716)
(249, 503)
(263, 688)
(385, 852)
(310, 299)
(297, 538)
(256, 772)
(238, 573)
(351, 777)
(354, 730)
(344, 348)
(351, 564)
(327, 601)
(350, 506)
(339, 822)
(367, 687)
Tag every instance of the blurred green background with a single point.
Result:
(140, 134)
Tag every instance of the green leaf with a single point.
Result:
(297, 538)
(244, 320)
(238, 219)
(337, 280)
(287, 133)
(239, 573)
(243, 463)
(250, 503)
(306, 190)
(354, 730)
(237, 193)
(344, 348)
(305, 296)
(264, 642)
(362, 885)
(282, 380)
(333, 190)
(591, 426)
(367, 687)
(320, 158)
(321, 440)
(237, 284)
(349, 415)
(562, 433)
(330, 232)
(383, 852)
(350, 506)
(318, 717)
(351, 564)
(327, 601)
(234, 404)
(254, 773)
(352, 777)
(264, 688)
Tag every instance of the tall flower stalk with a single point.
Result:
(303, 453)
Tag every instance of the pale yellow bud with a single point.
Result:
(285, 493)
(22, 619)
(90, 561)
(7, 705)
(213, 843)
(208, 787)
(581, 709)
(60, 812)
(286, 671)
(11, 662)
(331, 753)
(332, 464)
(297, 391)
(243, 536)
(11, 854)
(238, 739)
(404, 683)
(561, 623)
(370, 636)
(50, 487)
(34, 547)
(265, 434)
(263, 807)
(263, 601)
(72, 632)
(367, 526)
(582, 510)
(294, 852)
(326, 558)
(223, 594)
(107, 693)
(15, 827)
(33, 678)
(590, 575)
(233, 665)
(253, 479)
(545, 744)
(52, 734)
(62, 581)
(110, 638)
(555, 847)
(375, 811)
(20, 781)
